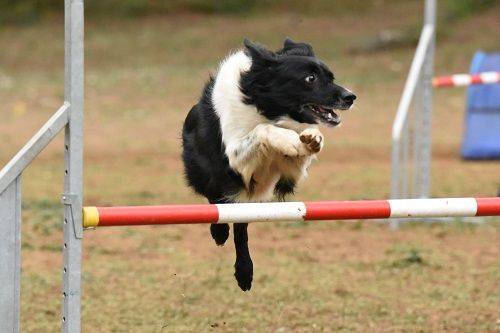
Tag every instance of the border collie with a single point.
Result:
(254, 132)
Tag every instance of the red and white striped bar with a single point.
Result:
(459, 80)
(289, 211)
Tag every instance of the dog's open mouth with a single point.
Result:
(326, 114)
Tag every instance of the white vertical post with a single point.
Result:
(396, 167)
(417, 139)
(10, 257)
(405, 169)
(422, 170)
(419, 80)
(73, 171)
(430, 12)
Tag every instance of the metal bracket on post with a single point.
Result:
(72, 201)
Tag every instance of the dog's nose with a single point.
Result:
(348, 97)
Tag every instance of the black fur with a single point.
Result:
(283, 188)
(206, 165)
(275, 85)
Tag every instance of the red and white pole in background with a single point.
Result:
(458, 80)
(289, 211)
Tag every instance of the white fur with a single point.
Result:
(258, 148)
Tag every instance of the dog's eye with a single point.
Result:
(310, 78)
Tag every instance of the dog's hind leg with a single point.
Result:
(220, 233)
(243, 265)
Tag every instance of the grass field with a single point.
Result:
(142, 75)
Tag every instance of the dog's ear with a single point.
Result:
(259, 54)
(292, 48)
(288, 43)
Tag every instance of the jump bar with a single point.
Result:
(458, 80)
(289, 211)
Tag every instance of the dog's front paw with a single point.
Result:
(293, 149)
(312, 139)
(288, 143)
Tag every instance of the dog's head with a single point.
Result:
(293, 82)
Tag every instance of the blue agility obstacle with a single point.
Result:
(481, 138)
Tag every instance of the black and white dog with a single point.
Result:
(253, 134)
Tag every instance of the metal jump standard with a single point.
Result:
(70, 118)
(411, 130)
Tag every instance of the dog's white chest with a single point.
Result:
(261, 176)
(263, 182)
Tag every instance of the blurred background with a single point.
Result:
(145, 65)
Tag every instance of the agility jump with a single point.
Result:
(461, 80)
(289, 211)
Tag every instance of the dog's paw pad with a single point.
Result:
(313, 139)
